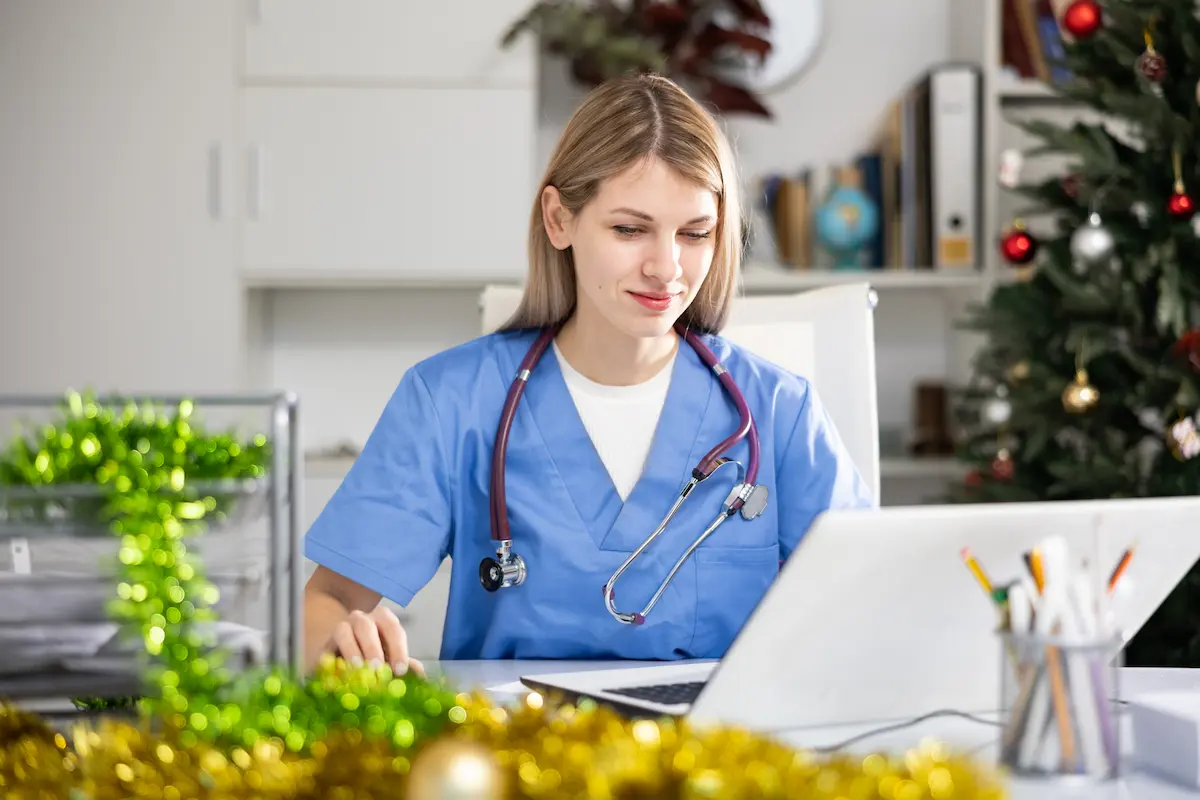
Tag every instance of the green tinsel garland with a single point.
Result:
(162, 477)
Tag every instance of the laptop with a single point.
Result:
(876, 618)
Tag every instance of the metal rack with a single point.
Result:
(62, 512)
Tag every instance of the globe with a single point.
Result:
(846, 221)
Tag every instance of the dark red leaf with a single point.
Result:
(587, 72)
(728, 98)
(714, 37)
(657, 14)
(751, 11)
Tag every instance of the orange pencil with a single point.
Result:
(1119, 570)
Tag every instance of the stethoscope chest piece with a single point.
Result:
(507, 569)
(754, 499)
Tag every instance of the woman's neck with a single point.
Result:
(601, 353)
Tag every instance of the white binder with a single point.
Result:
(955, 158)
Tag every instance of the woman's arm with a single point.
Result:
(328, 600)
(344, 617)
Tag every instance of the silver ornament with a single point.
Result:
(997, 411)
(1092, 243)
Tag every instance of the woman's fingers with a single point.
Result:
(395, 640)
(367, 633)
(377, 637)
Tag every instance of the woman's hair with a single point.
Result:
(619, 124)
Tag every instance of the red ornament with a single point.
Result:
(1082, 18)
(1188, 348)
(1180, 205)
(1003, 467)
(1018, 247)
(974, 479)
(1152, 65)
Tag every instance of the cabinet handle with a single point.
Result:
(214, 181)
(254, 201)
(20, 556)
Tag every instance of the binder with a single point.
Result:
(954, 164)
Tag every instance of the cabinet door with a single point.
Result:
(425, 185)
(402, 40)
(117, 249)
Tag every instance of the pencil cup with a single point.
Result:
(1059, 709)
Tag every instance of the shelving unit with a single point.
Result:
(53, 602)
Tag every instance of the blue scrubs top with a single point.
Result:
(419, 493)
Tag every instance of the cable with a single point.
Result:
(898, 726)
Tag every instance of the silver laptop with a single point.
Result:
(876, 618)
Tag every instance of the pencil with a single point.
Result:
(1034, 560)
(977, 571)
(1119, 570)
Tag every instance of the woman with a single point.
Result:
(634, 237)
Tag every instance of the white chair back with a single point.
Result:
(826, 335)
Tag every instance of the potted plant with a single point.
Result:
(701, 44)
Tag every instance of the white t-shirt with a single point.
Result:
(619, 419)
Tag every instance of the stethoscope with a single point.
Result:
(508, 568)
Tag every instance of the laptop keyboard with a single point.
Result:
(667, 694)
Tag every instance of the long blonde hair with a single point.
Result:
(620, 123)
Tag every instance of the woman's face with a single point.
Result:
(642, 247)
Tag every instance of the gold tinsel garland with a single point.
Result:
(356, 733)
(533, 749)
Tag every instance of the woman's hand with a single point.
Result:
(375, 637)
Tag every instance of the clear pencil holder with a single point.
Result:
(1058, 700)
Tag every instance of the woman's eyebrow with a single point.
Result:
(644, 216)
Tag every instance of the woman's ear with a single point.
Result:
(556, 218)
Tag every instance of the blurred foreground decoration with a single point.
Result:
(207, 732)
(703, 46)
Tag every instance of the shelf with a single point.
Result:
(1027, 90)
(758, 278)
(81, 510)
(921, 468)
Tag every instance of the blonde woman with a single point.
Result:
(541, 457)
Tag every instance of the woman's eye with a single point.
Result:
(697, 235)
(625, 230)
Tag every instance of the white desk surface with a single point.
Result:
(961, 734)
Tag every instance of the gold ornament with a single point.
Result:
(1183, 439)
(1080, 396)
(453, 768)
(1018, 371)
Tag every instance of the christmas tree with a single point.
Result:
(1087, 384)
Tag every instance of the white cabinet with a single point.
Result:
(427, 184)
(117, 239)
(433, 41)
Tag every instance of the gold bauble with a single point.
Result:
(1183, 439)
(1018, 371)
(1080, 396)
(455, 769)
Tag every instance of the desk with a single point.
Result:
(961, 734)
